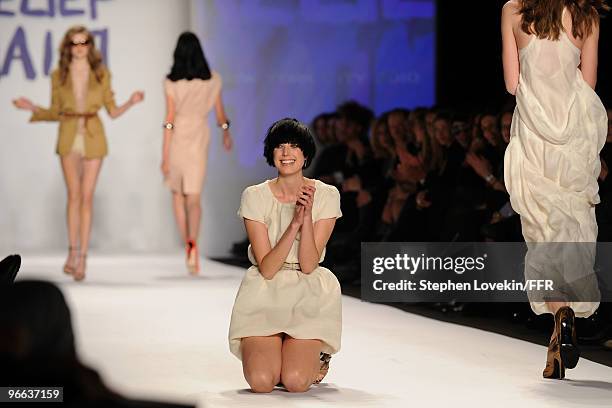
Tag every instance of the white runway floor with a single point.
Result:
(153, 332)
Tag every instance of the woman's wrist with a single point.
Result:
(225, 125)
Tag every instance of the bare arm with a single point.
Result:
(313, 238)
(113, 110)
(222, 118)
(220, 110)
(588, 57)
(39, 113)
(120, 110)
(510, 57)
(167, 133)
(270, 260)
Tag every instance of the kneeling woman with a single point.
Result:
(287, 317)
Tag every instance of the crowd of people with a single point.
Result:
(423, 175)
(429, 175)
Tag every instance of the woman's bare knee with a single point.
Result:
(261, 380)
(178, 198)
(87, 200)
(74, 197)
(193, 201)
(297, 380)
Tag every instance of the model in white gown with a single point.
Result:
(551, 169)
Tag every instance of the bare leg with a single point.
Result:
(71, 167)
(91, 169)
(261, 361)
(193, 231)
(178, 202)
(300, 363)
(194, 212)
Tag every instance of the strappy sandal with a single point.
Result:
(79, 273)
(324, 359)
(68, 268)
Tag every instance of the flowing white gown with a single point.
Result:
(551, 169)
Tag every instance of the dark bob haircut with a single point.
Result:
(289, 130)
(189, 60)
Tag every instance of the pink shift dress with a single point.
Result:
(193, 100)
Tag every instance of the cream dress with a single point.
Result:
(551, 169)
(193, 100)
(304, 306)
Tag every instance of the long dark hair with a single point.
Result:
(543, 17)
(189, 60)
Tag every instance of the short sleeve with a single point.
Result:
(330, 204)
(251, 205)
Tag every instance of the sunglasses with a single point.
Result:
(79, 43)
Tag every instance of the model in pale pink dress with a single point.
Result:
(193, 99)
(192, 91)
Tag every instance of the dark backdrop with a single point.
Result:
(469, 56)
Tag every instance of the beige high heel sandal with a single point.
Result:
(68, 268)
(79, 273)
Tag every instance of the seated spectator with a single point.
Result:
(37, 348)
(9, 267)
(461, 131)
(330, 158)
(505, 120)
(358, 169)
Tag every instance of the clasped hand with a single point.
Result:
(303, 207)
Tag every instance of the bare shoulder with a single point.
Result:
(511, 10)
(512, 5)
(511, 15)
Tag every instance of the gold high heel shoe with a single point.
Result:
(554, 365)
(563, 348)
